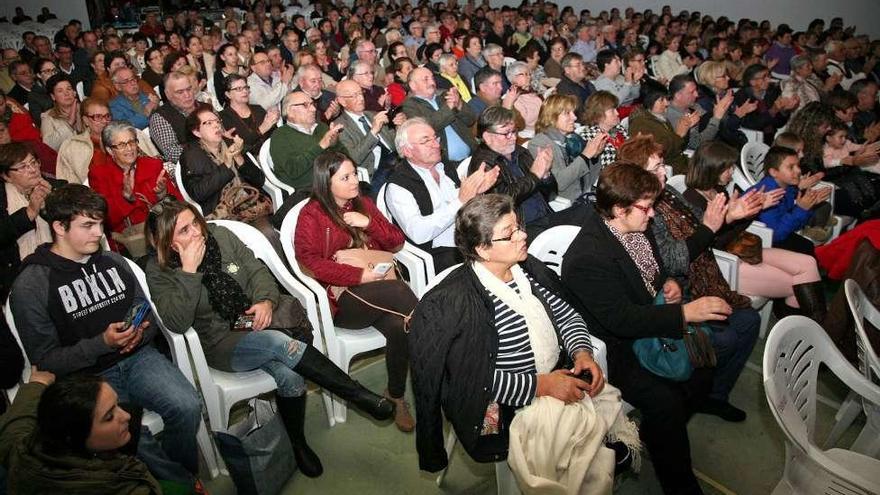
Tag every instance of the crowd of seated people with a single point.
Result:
(474, 129)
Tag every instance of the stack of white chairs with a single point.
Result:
(868, 440)
(796, 349)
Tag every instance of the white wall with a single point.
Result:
(64, 9)
(864, 14)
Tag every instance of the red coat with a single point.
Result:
(106, 179)
(835, 256)
(317, 239)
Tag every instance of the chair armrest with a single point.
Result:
(763, 231)
(729, 266)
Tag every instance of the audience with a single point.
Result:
(497, 88)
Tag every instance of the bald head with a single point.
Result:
(351, 96)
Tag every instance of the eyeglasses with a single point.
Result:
(31, 164)
(645, 209)
(363, 73)
(211, 122)
(508, 134)
(353, 95)
(125, 144)
(240, 88)
(99, 116)
(519, 228)
(127, 81)
(304, 104)
(50, 72)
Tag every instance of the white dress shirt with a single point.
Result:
(438, 226)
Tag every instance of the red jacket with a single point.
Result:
(106, 179)
(835, 256)
(317, 239)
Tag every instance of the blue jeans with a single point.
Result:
(275, 353)
(733, 344)
(150, 380)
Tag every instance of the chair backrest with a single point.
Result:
(752, 159)
(462, 169)
(176, 341)
(862, 309)
(440, 276)
(796, 348)
(752, 135)
(178, 180)
(677, 182)
(26, 372)
(264, 162)
(266, 157)
(550, 246)
(288, 228)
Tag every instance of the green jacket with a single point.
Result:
(32, 470)
(644, 122)
(293, 154)
(183, 301)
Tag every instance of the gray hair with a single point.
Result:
(445, 59)
(353, 68)
(515, 69)
(799, 61)
(491, 49)
(476, 220)
(114, 128)
(833, 46)
(118, 70)
(301, 71)
(401, 139)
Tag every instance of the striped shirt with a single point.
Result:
(516, 378)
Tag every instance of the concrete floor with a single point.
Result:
(365, 457)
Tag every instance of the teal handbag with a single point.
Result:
(676, 359)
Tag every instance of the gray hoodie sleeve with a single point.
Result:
(29, 303)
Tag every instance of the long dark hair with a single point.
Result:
(326, 166)
(65, 414)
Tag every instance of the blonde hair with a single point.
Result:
(552, 108)
(708, 71)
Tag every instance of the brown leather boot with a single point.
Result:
(402, 417)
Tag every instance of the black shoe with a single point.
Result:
(293, 414)
(811, 299)
(319, 369)
(623, 458)
(722, 409)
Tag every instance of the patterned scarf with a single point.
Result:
(225, 294)
(704, 276)
(640, 251)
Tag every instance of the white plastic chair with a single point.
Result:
(868, 441)
(363, 175)
(180, 357)
(462, 169)
(752, 135)
(427, 273)
(677, 182)
(268, 168)
(178, 180)
(80, 91)
(341, 344)
(795, 349)
(752, 160)
(274, 192)
(221, 389)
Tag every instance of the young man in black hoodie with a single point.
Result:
(70, 303)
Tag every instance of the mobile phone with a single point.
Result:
(244, 323)
(136, 315)
(392, 112)
(382, 268)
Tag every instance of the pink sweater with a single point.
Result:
(832, 157)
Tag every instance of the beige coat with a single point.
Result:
(75, 156)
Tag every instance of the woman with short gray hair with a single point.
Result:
(526, 101)
(802, 83)
(130, 182)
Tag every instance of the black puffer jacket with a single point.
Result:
(452, 348)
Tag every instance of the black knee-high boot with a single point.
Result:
(319, 369)
(811, 298)
(293, 414)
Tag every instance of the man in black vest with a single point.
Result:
(168, 122)
(423, 194)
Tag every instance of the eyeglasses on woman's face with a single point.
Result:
(519, 229)
(132, 143)
(29, 164)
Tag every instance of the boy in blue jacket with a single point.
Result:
(795, 209)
